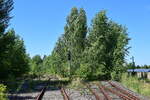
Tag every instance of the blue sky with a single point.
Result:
(41, 22)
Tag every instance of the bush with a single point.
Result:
(115, 76)
(84, 71)
(3, 95)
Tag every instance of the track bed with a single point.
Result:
(104, 90)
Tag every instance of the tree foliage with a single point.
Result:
(13, 57)
(65, 58)
(106, 48)
(14, 60)
(5, 7)
(36, 64)
(98, 55)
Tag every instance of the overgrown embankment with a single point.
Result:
(137, 85)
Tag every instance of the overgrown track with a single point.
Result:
(94, 93)
(104, 90)
(107, 97)
(124, 91)
(116, 90)
(65, 95)
(40, 96)
(116, 93)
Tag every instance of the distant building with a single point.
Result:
(141, 73)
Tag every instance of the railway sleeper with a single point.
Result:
(123, 91)
(117, 93)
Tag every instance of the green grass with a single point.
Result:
(137, 85)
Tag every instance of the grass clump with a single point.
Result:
(76, 83)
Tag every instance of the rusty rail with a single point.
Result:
(117, 93)
(40, 96)
(107, 97)
(65, 96)
(124, 91)
(94, 93)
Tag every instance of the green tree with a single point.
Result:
(7, 43)
(59, 58)
(37, 59)
(75, 34)
(14, 59)
(106, 48)
(5, 39)
(18, 57)
(36, 65)
(5, 7)
(96, 46)
(70, 45)
(120, 50)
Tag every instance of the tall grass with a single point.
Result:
(133, 83)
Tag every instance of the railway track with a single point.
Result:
(40, 96)
(111, 91)
(118, 91)
(62, 90)
(64, 94)
(103, 90)
(123, 91)
(94, 93)
(107, 97)
(107, 90)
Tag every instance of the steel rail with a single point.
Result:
(94, 93)
(104, 92)
(40, 96)
(117, 93)
(123, 91)
(65, 96)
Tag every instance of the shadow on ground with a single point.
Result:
(30, 89)
(21, 98)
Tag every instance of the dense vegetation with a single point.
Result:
(13, 57)
(14, 62)
(95, 52)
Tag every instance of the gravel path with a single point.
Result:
(82, 94)
(52, 95)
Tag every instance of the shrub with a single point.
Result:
(116, 76)
(3, 95)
